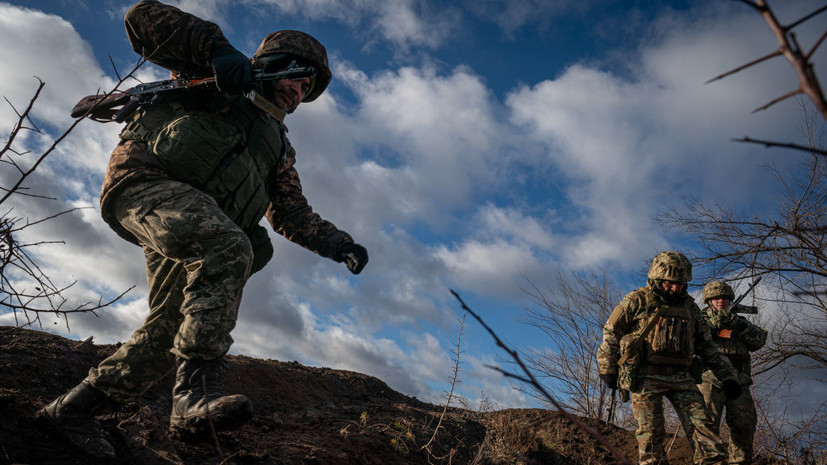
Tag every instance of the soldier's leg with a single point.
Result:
(647, 407)
(132, 368)
(708, 446)
(715, 401)
(146, 356)
(742, 421)
(188, 228)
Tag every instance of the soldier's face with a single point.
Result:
(671, 288)
(719, 303)
(288, 93)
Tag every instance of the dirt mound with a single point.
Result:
(303, 415)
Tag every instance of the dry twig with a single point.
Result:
(15, 261)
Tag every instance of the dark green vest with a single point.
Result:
(232, 156)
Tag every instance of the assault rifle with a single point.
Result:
(736, 307)
(119, 106)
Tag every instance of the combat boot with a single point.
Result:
(71, 415)
(198, 400)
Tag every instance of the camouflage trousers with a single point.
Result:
(740, 417)
(197, 262)
(647, 407)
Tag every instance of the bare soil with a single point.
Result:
(304, 415)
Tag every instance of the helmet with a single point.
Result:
(671, 266)
(715, 289)
(303, 47)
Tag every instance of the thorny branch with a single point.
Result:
(789, 47)
(454, 378)
(528, 378)
(768, 144)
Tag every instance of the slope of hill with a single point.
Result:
(303, 415)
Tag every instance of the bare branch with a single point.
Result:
(788, 145)
(25, 289)
(779, 99)
(806, 18)
(743, 67)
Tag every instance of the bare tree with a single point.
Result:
(787, 245)
(571, 311)
(25, 289)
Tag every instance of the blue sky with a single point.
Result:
(466, 144)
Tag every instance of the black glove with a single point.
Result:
(738, 324)
(354, 255)
(233, 71)
(609, 379)
(732, 390)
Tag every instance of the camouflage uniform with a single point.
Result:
(189, 182)
(661, 366)
(200, 243)
(736, 337)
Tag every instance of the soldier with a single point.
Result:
(189, 182)
(658, 365)
(736, 337)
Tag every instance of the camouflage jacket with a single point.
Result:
(660, 354)
(182, 43)
(736, 337)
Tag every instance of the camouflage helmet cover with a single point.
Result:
(304, 47)
(715, 289)
(671, 266)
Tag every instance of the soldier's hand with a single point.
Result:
(732, 389)
(354, 255)
(609, 379)
(232, 69)
(738, 324)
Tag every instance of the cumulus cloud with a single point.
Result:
(404, 23)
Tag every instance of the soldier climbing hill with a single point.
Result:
(189, 182)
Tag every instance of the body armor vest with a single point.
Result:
(233, 155)
(671, 342)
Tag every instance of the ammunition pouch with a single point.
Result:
(194, 146)
(627, 377)
(262, 247)
(627, 373)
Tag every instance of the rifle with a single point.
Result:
(735, 306)
(105, 107)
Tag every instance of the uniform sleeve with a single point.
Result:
(620, 323)
(171, 38)
(708, 351)
(292, 217)
(753, 335)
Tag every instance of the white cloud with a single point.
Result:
(513, 15)
(69, 70)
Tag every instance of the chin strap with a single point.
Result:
(267, 106)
